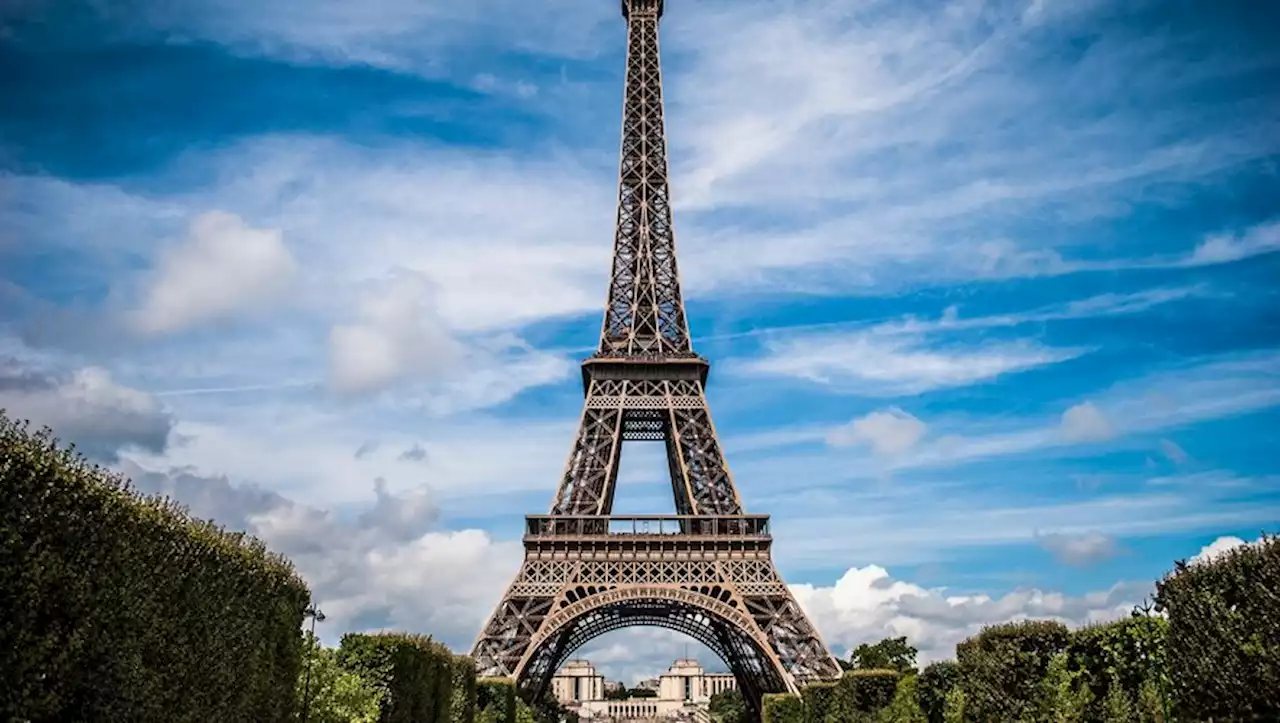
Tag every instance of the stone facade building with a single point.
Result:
(683, 693)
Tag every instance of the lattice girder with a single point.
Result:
(644, 313)
(747, 615)
(673, 411)
(705, 571)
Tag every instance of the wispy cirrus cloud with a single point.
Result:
(871, 364)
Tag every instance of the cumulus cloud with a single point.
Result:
(1219, 547)
(398, 336)
(1085, 422)
(399, 333)
(386, 567)
(87, 407)
(867, 604)
(1079, 550)
(222, 267)
(889, 432)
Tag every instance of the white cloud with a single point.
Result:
(87, 407)
(306, 452)
(399, 334)
(1226, 247)
(867, 604)
(387, 568)
(1080, 550)
(222, 267)
(1085, 422)
(892, 365)
(1220, 547)
(889, 432)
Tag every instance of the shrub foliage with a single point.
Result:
(1223, 648)
(819, 702)
(415, 674)
(782, 708)
(1109, 663)
(462, 709)
(496, 698)
(936, 680)
(865, 691)
(123, 607)
(1002, 667)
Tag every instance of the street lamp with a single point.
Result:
(316, 615)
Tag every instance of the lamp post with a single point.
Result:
(316, 615)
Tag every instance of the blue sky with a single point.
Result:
(989, 287)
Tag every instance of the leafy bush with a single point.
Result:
(497, 697)
(905, 707)
(888, 654)
(524, 714)
(414, 673)
(936, 680)
(819, 700)
(123, 607)
(1002, 667)
(1117, 656)
(332, 694)
(462, 708)
(727, 706)
(954, 709)
(864, 691)
(782, 708)
(1223, 649)
(1064, 697)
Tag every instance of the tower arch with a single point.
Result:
(718, 624)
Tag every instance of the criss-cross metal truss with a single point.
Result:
(706, 571)
(644, 313)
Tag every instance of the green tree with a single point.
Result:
(727, 706)
(337, 695)
(1117, 707)
(1150, 704)
(1064, 696)
(953, 709)
(936, 680)
(905, 707)
(888, 654)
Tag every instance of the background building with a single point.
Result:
(683, 693)
(577, 681)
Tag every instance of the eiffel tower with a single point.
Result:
(706, 571)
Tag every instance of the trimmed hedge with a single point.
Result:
(1223, 644)
(415, 673)
(1001, 668)
(864, 691)
(496, 698)
(936, 681)
(819, 702)
(123, 607)
(462, 709)
(782, 708)
(905, 706)
(1114, 660)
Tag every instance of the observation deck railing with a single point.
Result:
(725, 526)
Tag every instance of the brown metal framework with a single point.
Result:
(706, 571)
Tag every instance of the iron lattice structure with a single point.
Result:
(706, 571)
